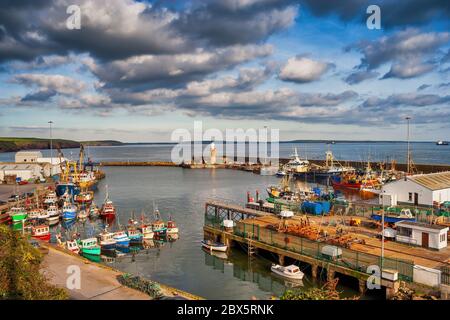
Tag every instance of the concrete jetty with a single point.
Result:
(98, 282)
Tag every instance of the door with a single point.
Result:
(425, 238)
(416, 199)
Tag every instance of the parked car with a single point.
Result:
(23, 182)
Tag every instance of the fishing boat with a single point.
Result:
(67, 187)
(214, 246)
(171, 227)
(41, 232)
(33, 214)
(290, 272)
(90, 247)
(121, 239)
(18, 214)
(93, 211)
(53, 215)
(158, 226)
(69, 211)
(50, 198)
(346, 182)
(72, 245)
(147, 231)
(84, 197)
(297, 165)
(135, 235)
(108, 211)
(442, 143)
(331, 168)
(107, 240)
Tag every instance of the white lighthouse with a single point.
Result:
(213, 153)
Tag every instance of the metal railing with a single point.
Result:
(349, 258)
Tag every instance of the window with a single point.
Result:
(443, 237)
(410, 196)
(406, 232)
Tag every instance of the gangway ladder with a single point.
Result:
(251, 249)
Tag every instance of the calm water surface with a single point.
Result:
(422, 152)
(182, 193)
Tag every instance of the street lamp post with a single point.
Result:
(409, 151)
(51, 148)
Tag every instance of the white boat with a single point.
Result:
(107, 239)
(171, 227)
(442, 143)
(297, 165)
(72, 245)
(214, 246)
(290, 272)
(53, 215)
(268, 171)
(147, 231)
(50, 198)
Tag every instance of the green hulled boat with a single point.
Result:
(90, 247)
(18, 214)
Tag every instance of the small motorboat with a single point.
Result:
(214, 246)
(41, 232)
(281, 173)
(72, 245)
(290, 272)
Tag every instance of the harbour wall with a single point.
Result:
(420, 168)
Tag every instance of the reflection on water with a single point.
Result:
(181, 263)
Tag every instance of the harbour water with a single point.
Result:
(181, 193)
(422, 152)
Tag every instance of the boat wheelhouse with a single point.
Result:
(72, 245)
(50, 198)
(147, 232)
(41, 232)
(53, 215)
(18, 214)
(90, 246)
(107, 240)
(171, 227)
(69, 211)
(121, 239)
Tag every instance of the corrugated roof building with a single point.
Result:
(419, 190)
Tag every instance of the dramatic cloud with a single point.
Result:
(408, 52)
(405, 100)
(301, 69)
(233, 22)
(173, 70)
(57, 83)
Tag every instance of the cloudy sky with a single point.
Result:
(137, 70)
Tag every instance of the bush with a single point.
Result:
(147, 286)
(20, 277)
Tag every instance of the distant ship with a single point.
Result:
(442, 143)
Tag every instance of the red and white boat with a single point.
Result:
(72, 245)
(108, 211)
(41, 232)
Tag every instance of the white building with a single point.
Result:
(23, 171)
(422, 234)
(27, 156)
(417, 190)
